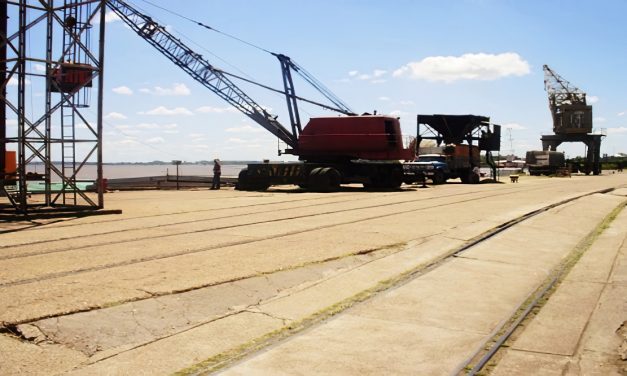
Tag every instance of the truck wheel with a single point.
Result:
(463, 176)
(332, 179)
(324, 179)
(244, 183)
(395, 178)
(242, 180)
(438, 177)
(313, 180)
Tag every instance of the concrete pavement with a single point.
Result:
(190, 280)
(434, 323)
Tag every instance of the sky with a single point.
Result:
(403, 58)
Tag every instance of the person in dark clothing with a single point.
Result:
(217, 171)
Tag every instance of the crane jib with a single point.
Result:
(199, 69)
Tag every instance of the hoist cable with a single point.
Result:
(207, 26)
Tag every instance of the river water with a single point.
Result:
(120, 171)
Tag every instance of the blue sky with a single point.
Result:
(404, 58)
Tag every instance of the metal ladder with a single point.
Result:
(68, 109)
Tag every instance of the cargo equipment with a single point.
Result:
(572, 119)
(439, 164)
(544, 162)
(459, 140)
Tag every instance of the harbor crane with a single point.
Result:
(335, 150)
(572, 119)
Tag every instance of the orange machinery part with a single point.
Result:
(10, 158)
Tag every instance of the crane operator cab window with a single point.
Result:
(390, 132)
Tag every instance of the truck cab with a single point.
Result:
(450, 162)
(427, 166)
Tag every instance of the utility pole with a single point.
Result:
(177, 163)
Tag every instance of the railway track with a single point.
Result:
(473, 196)
(63, 248)
(475, 364)
(172, 223)
(73, 282)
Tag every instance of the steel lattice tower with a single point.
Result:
(49, 115)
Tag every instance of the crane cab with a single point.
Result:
(70, 77)
(372, 137)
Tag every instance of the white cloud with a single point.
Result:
(148, 126)
(199, 146)
(375, 77)
(128, 141)
(11, 122)
(122, 90)
(198, 139)
(196, 135)
(109, 17)
(215, 110)
(13, 82)
(129, 132)
(379, 72)
(39, 67)
(236, 140)
(479, 66)
(176, 90)
(622, 113)
(170, 126)
(244, 143)
(617, 130)
(590, 99)
(115, 116)
(600, 119)
(122, 127)
(407, 102)
(513, 126)
(398, 113)
(163, 111)
(384, 99)
(244, 129)
(155, 140)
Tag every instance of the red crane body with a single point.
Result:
(372, 137)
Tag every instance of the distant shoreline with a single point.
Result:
(156, 163)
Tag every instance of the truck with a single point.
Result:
(439, 164)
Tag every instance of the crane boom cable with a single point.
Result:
(207, 26)
(308, 77)
(322, 88)
(198, 68)
(282, 92)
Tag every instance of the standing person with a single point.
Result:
(217, 171)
